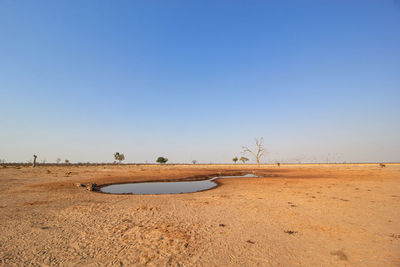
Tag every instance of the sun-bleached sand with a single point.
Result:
(325, 215)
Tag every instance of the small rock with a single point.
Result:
(395, 236)
(340, 254)
(91, 187)
(290, 232)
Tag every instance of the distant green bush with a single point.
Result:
(162, 160)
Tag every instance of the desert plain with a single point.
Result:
(292, 215)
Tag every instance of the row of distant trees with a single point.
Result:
(58, 161)
(243, 159)
(120, 157)
(257, 153)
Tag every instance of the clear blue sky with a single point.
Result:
(319, 80)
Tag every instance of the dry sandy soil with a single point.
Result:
(325, 215)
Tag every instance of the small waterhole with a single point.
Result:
(150, 188)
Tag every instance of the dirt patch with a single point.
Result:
(33, 203)
(268, 221)
(340, 255)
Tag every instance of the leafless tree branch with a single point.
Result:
(258, 153)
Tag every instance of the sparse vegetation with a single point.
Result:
(66, 161)
(258, 153)
(58, 160)
(235, 159)
(244, 159)
(161, 160)
(194, 161)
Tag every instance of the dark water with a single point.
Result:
(165, 187)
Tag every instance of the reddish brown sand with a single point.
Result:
(324, 215)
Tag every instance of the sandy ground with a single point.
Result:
(325, 215)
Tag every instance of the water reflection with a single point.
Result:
(147, 188)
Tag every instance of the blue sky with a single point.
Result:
(319, 80)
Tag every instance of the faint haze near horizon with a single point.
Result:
(319, 80)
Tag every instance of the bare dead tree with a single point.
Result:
(258, 153)
(34, 161)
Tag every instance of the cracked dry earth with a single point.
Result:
(325, 215)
